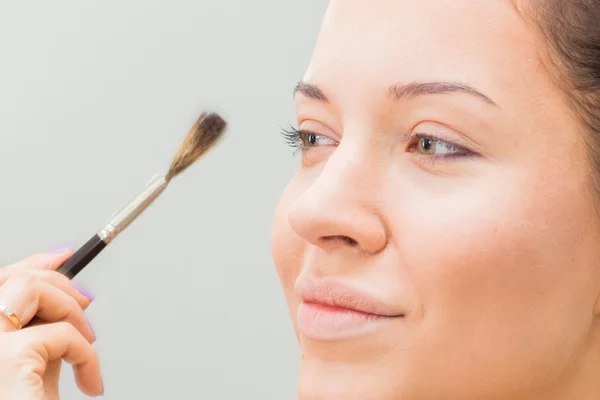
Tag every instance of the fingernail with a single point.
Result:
(63, 248)
(83, 291)
(102, 384)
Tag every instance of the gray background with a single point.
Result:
(94, 99)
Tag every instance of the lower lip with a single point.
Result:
(322, 322)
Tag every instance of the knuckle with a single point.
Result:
(72, 310)
(59, 278)
(60, 281)
(27, 279)
(54, 278)
(66, 329)
(35, 261)
(22, 280)
(72, 304)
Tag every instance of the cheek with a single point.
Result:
(468, 250)
(287, 247)
(504, 265)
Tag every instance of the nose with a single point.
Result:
(340, 208)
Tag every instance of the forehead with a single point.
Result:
(485, 43)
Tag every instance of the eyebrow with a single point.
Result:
(311, 91)
(416, 89)
(400, 91)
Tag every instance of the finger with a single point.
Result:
(72, 288)
(62, 341)
(44, 265)
(44, 261)
(29, 296)
(6, 325)
(52, 379)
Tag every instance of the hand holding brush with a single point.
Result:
(42, 319)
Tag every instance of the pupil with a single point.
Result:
(426, 144)
(312, 139)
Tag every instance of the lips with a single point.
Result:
(341, 297)
(332, 311)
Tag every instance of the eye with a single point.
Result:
(432, 146)
(429, 147)
(310, 139)
(303, 140)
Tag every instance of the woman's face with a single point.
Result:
(439, 240)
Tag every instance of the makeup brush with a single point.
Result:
(202, 137)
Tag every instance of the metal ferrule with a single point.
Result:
(126, 215)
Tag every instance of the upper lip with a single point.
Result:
(335, 294)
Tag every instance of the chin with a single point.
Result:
(347, 381)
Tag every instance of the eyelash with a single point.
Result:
(297, 138)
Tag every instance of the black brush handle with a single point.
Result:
(82, 257)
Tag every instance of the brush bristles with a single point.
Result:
(202, 137)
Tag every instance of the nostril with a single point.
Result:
(346, 239)
(350, 241)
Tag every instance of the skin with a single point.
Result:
(55, 329)
(492, 255)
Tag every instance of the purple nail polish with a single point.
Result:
(60, 249)
(83, 291)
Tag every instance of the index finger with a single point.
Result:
(44, 261)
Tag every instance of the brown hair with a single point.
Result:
(572, 30)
